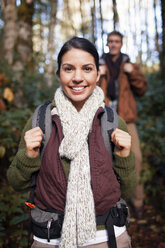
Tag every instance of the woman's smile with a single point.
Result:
(77, 90)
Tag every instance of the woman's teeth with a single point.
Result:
(78, 88)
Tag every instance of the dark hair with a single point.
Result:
(115, 33)
(78, 43)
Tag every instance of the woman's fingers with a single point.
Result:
(33, 139)
(122, 141)
(121, 138)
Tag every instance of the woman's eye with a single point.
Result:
(88, 69)
(67, 69)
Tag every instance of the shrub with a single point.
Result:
(152, 133)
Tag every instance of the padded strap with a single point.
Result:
(42, 118)
(109, 121)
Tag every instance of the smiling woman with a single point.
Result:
(78, 77)
(73, 190)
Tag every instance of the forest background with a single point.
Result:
(31, 34)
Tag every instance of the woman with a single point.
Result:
(76, 176)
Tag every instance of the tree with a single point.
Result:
(10, 29)
(156, 28)
(163, 41)
(83, 28)
(148, 52)
(67, 23)
(101, 21)
(23, 46)
(93, 11)
(52, 24)
(115, 15)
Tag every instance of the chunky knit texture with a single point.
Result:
(79, 222)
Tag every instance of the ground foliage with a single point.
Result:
(14, 218)
(151, 125)
(150, 230)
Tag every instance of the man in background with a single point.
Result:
(121, 80)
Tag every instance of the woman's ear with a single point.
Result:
(58, 76)
(98, 76)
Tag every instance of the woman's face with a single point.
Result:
(78, 76)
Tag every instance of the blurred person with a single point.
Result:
(121, 81)
(76, 184)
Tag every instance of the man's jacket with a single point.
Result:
(130, 85)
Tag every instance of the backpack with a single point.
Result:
(48, 224)
(42, 118)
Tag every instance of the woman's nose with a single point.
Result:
(78, 76)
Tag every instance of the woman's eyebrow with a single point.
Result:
(89, 64)
(66, 64)
(82, 65)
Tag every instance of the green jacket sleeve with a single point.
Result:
(125, 168)
(22, 167)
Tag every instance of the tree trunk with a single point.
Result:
(115, 15)
(140, 50)
(156, 28)
(41, 28)
(163, 41)
(93, 11)
(148, 53)
(134, 29)
(68, 25)
(10, 29)
(23, 46)
(82, 18)
(24, 38)
(101, 21)
(52, 24)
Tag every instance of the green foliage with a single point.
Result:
(14, 222)
(34, 92)
(10, 129)
(151, 129)
(13, 216)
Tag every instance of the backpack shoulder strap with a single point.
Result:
(109, 121)
(125, 58)
(42, 118)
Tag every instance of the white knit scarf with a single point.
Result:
(79, 222)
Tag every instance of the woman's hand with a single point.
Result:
(122, 141)
(33, 139)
